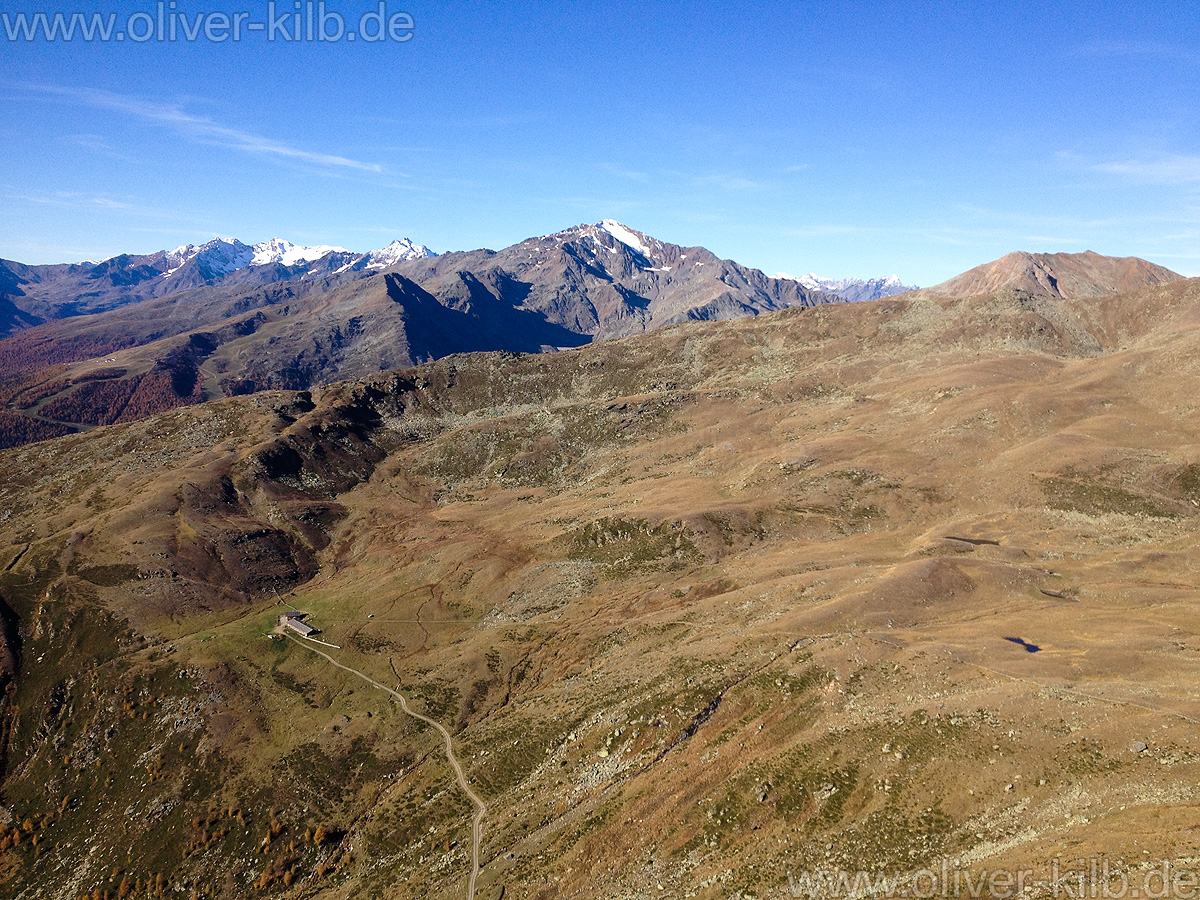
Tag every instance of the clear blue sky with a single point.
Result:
(844, 138)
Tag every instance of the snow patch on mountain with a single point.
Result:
(182, 253)
(626, 236)
(223, 255)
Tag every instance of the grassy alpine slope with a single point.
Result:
(700, 607)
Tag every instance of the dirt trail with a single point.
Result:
(480, 806)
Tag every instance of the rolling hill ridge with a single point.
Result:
(1073, 276)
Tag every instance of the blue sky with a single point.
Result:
(842, 138)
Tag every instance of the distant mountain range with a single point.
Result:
(605, 280)
(116, 340)
(113, 341)
(37, 294)
(854, 290)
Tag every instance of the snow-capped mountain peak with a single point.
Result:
(812, 281)
(220, 255)
(277, 250)
(395, 252)
(182, 253)
(853, 289)
(610, 236)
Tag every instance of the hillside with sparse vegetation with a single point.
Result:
(857, 586)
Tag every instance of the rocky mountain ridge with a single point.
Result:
(46, 293)
(270, 326)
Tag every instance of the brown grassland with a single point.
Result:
(700, 607)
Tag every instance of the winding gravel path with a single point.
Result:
(480, 806)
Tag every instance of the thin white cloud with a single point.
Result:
(1141, 49)
(726, 181)
(57, 252)
(1165, 255)
(85, 201)
(376, 229)
(97, 144)
(1050, 239)
(630, 174)
(201, 129)
(1176, 169)
(828, 231)
(1023, 220)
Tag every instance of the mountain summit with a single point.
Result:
(605, 280)
(395, 252)
(1072, 276)
(220, 255)
(225, 255)
(286, 253)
